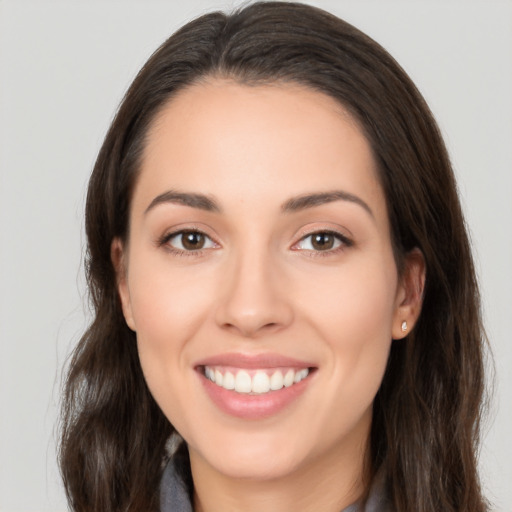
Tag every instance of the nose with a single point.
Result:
(254, 300)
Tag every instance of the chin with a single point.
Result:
(251, 457)
(265, 467)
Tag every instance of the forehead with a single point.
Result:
(226, 139)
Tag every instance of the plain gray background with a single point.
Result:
(64, 66)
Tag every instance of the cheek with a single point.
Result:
(363, 323)
(354, 303)
(169, 308)
(353, 313)
(167, 302)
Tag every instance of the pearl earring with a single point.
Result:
(404, 326)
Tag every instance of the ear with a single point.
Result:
(409, 296)
(118, 257)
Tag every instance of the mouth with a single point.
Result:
(254, 381)
(254, 387)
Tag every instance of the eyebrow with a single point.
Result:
(311, 200)
(203, 202)
(199, 201)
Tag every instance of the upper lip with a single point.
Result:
(253, 361)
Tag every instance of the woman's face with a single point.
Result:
(259, 256)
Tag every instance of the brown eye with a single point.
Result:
(322, 241)
(189, 241)
(192, 240)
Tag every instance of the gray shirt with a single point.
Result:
(174, 496)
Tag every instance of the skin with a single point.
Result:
(259, 286)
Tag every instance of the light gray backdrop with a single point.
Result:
(64, 67)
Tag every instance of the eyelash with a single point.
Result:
(344, 243)
(165, 239)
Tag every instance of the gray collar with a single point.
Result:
(174, 495)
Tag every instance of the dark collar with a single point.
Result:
(174, 496)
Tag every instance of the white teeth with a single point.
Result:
(301, 374)
(289, 378)
(260, 382)
(209, 373)
(243, 382)
(276, 381)
(229, 381)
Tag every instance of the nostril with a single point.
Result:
(252, 330)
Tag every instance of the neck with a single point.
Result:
(330, 483)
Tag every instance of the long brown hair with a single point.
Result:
(426, 419)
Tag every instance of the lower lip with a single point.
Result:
(253, 407)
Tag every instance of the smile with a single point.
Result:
(254, 387)
(254, 381)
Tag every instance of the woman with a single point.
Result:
(282, 281)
